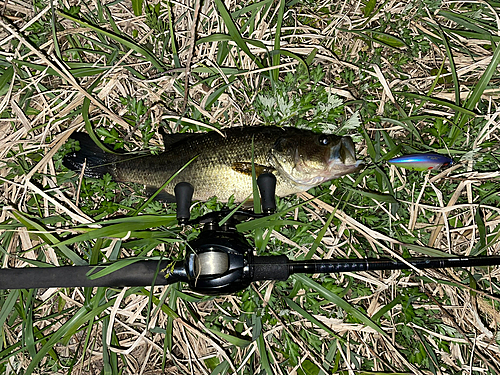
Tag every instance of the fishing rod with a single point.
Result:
(219, 261)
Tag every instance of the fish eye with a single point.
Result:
(323, 140)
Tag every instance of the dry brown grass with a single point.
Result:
(469, 318)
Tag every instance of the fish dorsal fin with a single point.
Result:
(246, 168)
(170, 139)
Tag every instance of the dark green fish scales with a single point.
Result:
(300, 160)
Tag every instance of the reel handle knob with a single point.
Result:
(267, 187)
(183, 194)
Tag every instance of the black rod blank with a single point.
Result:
(141, 273)
(280, 268)
(353, 265)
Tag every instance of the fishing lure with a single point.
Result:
(422, 162)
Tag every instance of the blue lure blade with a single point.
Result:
(422, 162)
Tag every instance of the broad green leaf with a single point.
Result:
(8, 305)
(451, 60)
(478, 217)
(479, 88)
(88, 124)
(426, 250)
(137, 7)
(216, 37)
(269, 221)
(406, 123)
(378, 315)
(468, 23)
(369, 145)
(6, 79)
(307, 367)
(472, 35)
(389, 40)
(476, 94)
(369, 7)
(290, 54)
(106, 269)
(78, 71)
(250, 8)
(116, 230)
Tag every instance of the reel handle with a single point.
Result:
(183, 195)
(267, 188)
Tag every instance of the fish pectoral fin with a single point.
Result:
(162, 196)
(246, 168)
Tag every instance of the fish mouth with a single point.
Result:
(343, 157)
(347, 152)
(344, 152)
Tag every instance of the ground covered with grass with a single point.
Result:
(399, 77)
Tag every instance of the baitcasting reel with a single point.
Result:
(220, 260)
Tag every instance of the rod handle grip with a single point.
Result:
(270, 268)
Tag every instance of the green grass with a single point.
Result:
(397, 77)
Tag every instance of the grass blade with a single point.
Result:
(320, 235)
(122, 39)
(277, 40)
(261, 345)
(48, 238)
(445, 103)
(306, 315)
(483, 81)
(332, 297)
(234, 32)
(386, 39)
(7, 306)
(81, 317)
(454, 75)
(381, 197)
(233, 340)
(476, 94)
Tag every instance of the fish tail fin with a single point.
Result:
(97, 162)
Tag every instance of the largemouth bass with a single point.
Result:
(222, 166)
